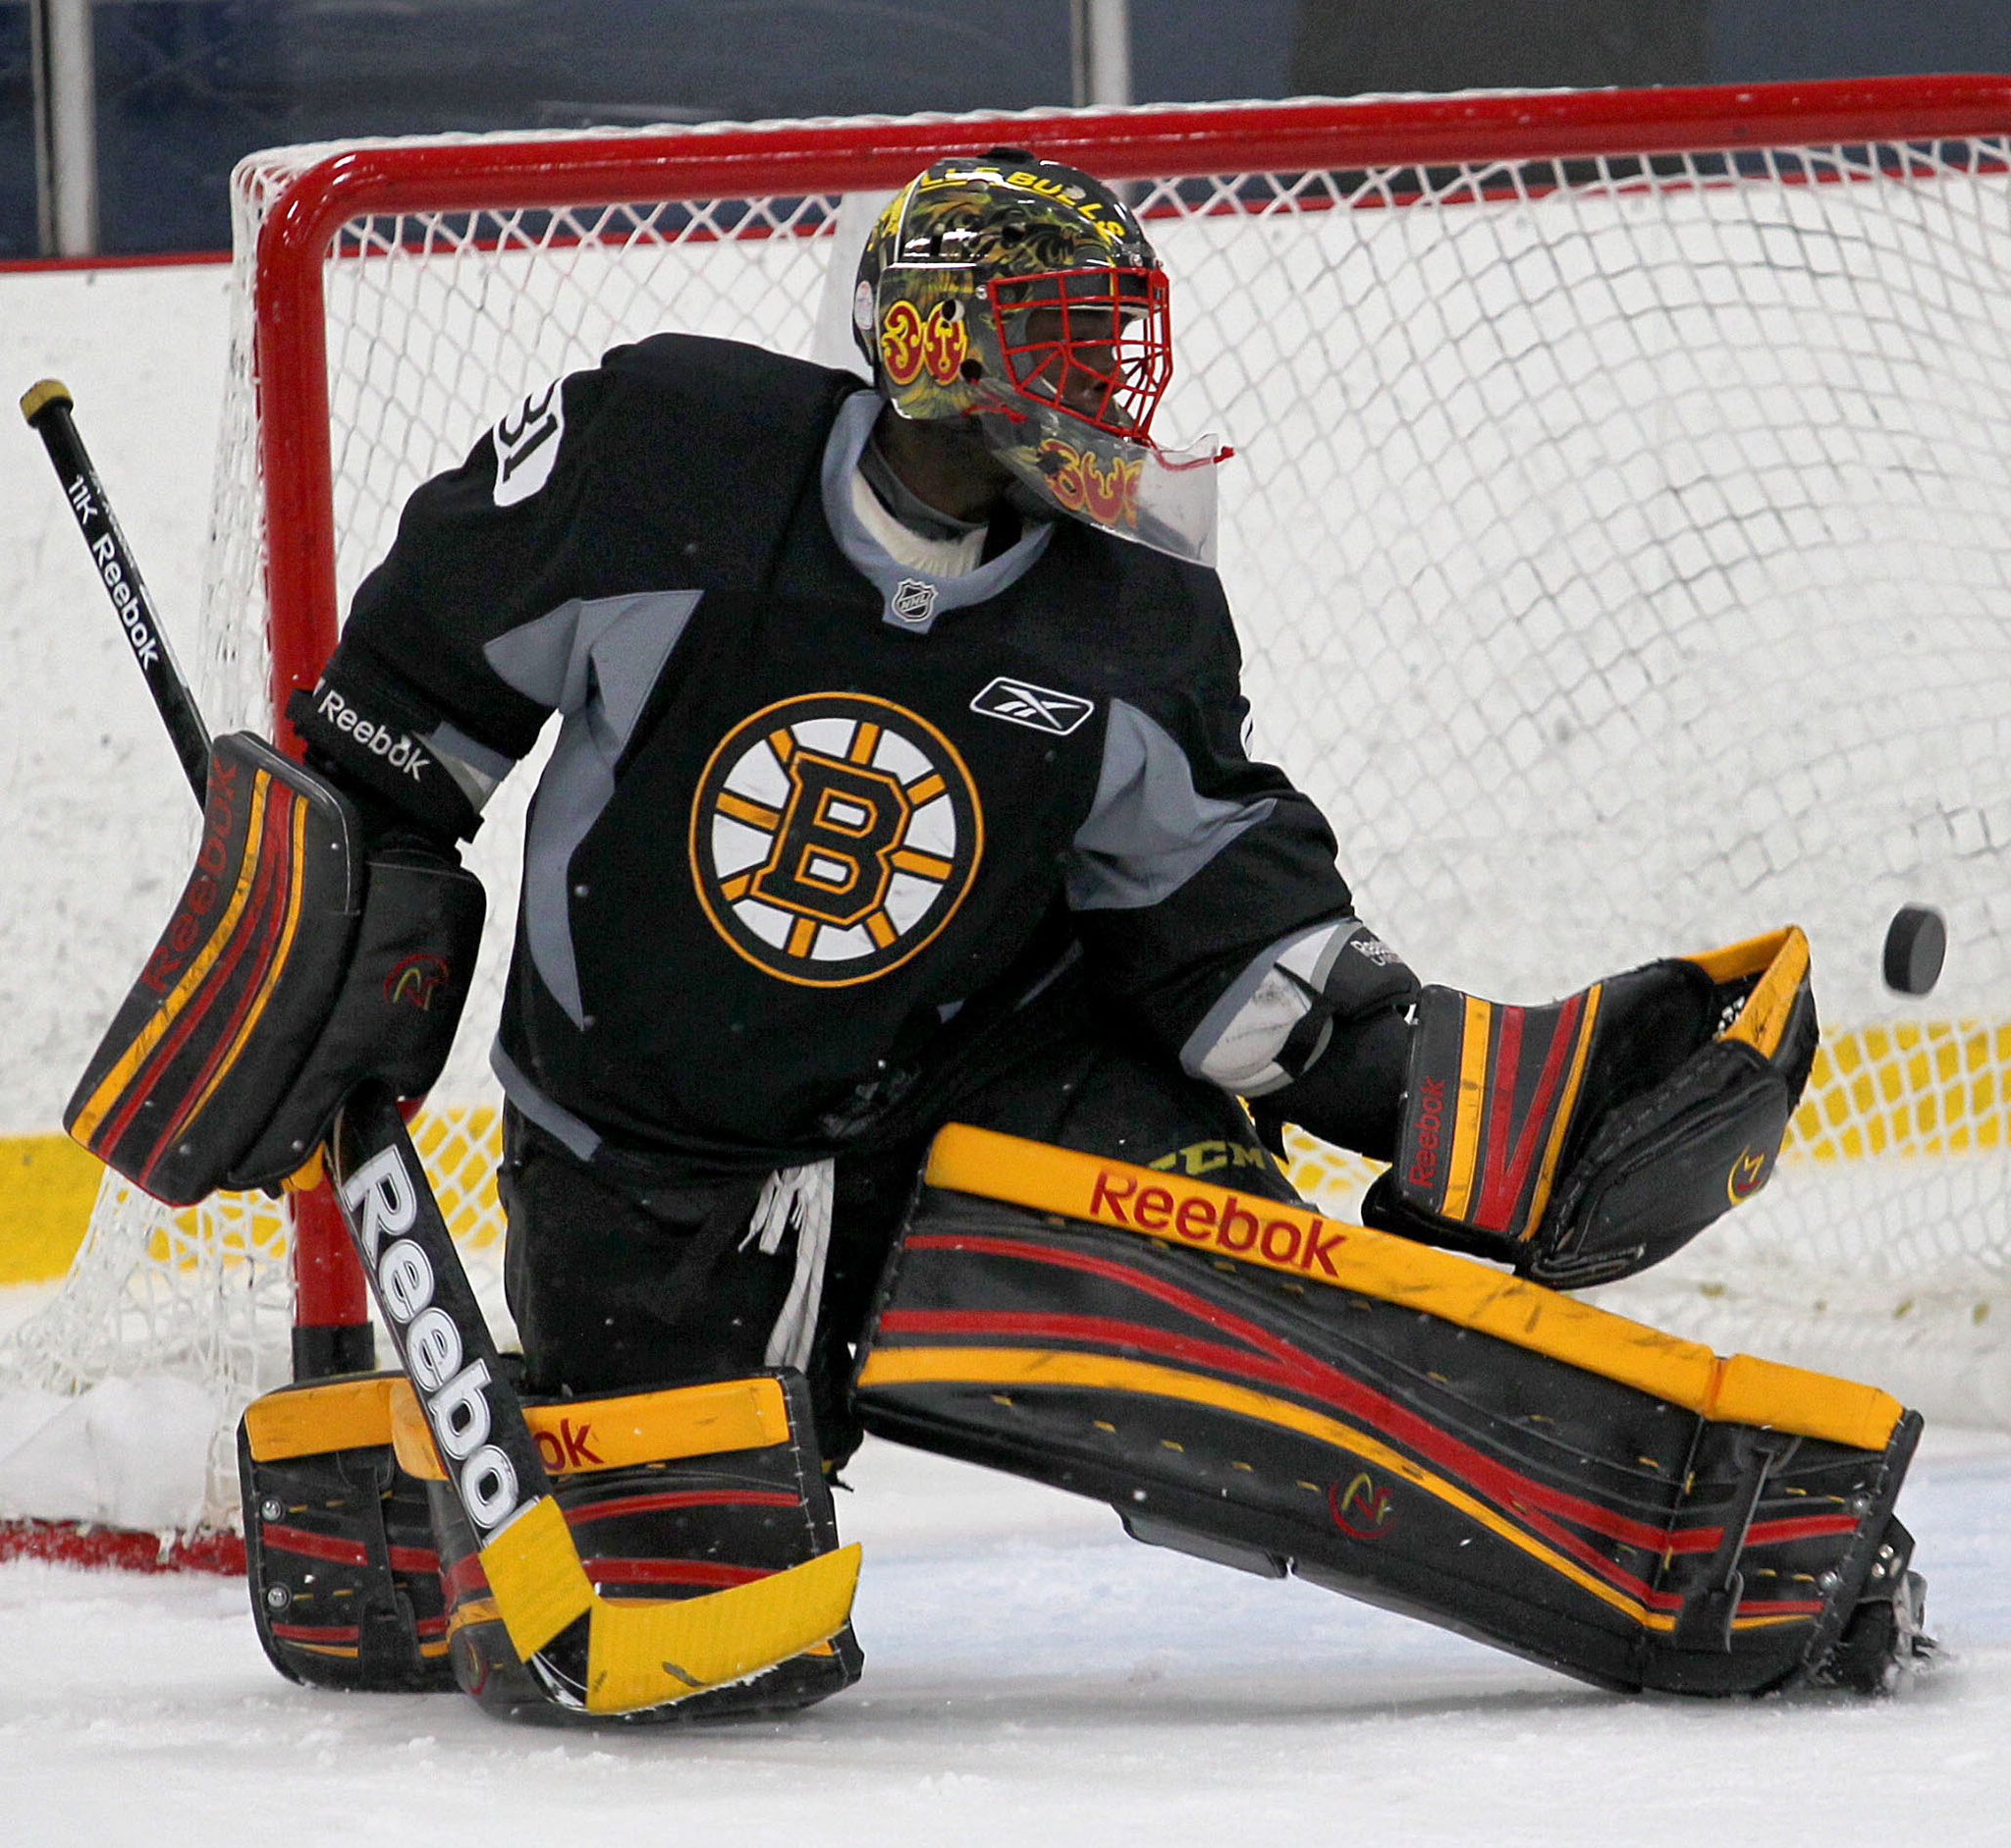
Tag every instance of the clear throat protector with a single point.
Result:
(1162, 498)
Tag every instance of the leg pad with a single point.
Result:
(364, 1574)
(1575, 1488)
(339, 1542)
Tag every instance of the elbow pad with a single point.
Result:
(1590, 1138)
(373, 733)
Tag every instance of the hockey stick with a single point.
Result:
(46, 406)
(604, 1656)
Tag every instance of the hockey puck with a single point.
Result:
(1915, 941)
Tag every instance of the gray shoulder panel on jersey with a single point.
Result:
(913, 599)
(553, 1119)
(595, 663)
(1148, 829)
(622, 641)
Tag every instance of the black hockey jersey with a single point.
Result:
(809, 814)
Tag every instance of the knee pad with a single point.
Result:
(1267, 1387)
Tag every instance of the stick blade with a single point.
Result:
(650, 1653)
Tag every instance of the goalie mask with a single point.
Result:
(1022, 297)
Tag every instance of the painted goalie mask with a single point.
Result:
(1023, 295)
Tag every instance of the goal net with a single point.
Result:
(1619, 534)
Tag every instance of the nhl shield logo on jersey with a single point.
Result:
(833, 837)
(913, 600)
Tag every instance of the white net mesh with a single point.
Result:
(1620, 551)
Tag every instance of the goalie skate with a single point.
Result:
(1885, 1639)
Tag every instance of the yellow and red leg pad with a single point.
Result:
(339, 1542)
(668, 1494)
(1261, 1384)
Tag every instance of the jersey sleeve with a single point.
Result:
(410, 704)
(605, 485)
(1203, 883)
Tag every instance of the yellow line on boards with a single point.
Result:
(47, 1186)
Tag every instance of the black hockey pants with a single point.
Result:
(613, 1288)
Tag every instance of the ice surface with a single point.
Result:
(1032, 1677)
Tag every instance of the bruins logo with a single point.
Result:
(833, 837)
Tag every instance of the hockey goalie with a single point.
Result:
(912, 977)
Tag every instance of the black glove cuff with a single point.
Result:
(371, 736)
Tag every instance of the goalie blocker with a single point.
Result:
(1268, 1389)
(292, 967)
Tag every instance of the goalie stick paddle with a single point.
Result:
(46, 406)
(603, 1655)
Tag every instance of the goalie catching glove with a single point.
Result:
(1590, 1138)
(294, 965)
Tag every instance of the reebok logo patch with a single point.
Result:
(397, 748)
(1020, 702)
(1286, 1238)
(569, 1449)
(1430, 1134)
